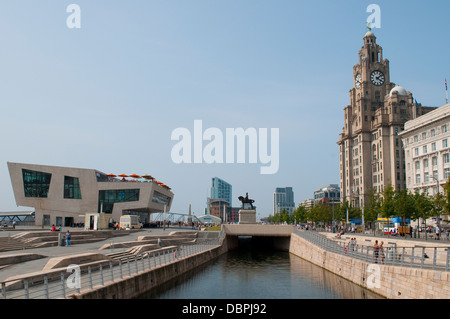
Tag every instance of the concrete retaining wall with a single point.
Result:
(138, 284)
(392, 282)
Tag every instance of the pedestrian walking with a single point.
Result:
(438, 230)
(68, 238)
(375, 251)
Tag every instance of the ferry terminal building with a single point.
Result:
(62, 196)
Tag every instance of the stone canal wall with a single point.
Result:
(392, 282)
(133, 286)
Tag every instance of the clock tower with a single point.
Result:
(371, 152)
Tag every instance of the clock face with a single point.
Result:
(358, 81)
(377, 78)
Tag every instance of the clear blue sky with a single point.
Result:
(108, 96)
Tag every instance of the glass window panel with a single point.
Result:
(36, 184)
(107, 198)
(72, 187)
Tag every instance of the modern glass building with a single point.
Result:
(219, 190)
(283, 199)
(62, 195)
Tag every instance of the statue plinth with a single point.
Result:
(247, 216)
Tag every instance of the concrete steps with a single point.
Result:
(39, 239)
(10, 243)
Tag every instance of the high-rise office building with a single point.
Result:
(219, 190)
(370, 148)
(329, 194)
(283, 198)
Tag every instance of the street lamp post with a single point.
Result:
(438, 217)
(164, 217)
(333, 222)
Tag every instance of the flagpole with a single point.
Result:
(446, 92)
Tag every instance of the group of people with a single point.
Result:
(378, 252)
(351, 244)
(68, 236)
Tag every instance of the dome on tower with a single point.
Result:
(369, 34)
(399, 89)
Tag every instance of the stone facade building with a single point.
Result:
(427, 148)
(370, 148)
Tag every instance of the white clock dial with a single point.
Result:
(377, 78)
(358, 81)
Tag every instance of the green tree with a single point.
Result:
(404, 203)
(423, 206)
(446, 208)
(353, 212)
(342, 209)
(373, 206)
(299, 215)
(285, 217)
(388, 203)
(439, 205)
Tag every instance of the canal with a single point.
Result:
(259, 274)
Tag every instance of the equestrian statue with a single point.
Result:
(246, 200)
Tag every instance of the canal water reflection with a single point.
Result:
(259, 275)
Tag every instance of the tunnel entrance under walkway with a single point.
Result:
(258, 243)
(258, 237)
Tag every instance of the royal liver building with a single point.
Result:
(371, 152)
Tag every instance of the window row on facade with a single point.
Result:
(427, 134)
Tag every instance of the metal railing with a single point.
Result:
(436, 258)
(77, 278)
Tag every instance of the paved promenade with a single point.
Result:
(58, 251)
